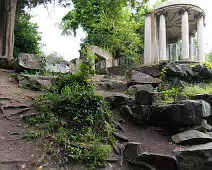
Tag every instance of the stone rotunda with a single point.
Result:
(169, 23)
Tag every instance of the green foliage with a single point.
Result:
(33, 134)
(169, 96)
(163, 72)
(109, 24)
(209, 57)
(192, 90)
(77, 120)
(158, 2)
(27, 37)
(208, 64)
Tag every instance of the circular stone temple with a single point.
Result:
(169, 23)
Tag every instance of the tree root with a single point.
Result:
(29, 115)
(19, 112)
(22, 137)
(41, 159)
(13, 161)
(118, 125)
(121, 153)
(15, 107)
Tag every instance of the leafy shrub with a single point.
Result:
(77, 119)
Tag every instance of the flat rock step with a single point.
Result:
(192, 137)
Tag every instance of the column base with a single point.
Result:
(186, 62)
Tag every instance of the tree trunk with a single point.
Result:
(7, 23)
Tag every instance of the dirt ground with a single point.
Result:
(16, 152)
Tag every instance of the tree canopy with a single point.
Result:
(27, 37)
(115, 25)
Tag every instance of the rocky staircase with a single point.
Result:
(158, 136)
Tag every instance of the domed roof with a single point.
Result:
(174, 18)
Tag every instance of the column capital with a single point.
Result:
(184, 9)
(162, 12)
(199, 15)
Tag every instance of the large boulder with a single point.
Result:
(206, 97)
(134, 154)
(33, 82)
(158, 161)
(28, 62)
(180, 114)
(135, 88)
(202, 71)
(143, 97)
(135, 77)
(107, 84)
(191, 137)
(135, 113)
(60, 67)
(174, 69)
(179, 70)
(194, 158)
(117, 100)
(132, 150)
(153, 70)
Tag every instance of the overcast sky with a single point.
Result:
(69, 46)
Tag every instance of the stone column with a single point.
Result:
(185, 34)
(175, 51)
(162, 36)
(192, 47)
(200, 38)
(147, 41)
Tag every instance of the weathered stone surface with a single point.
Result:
(107, 84)
(120, 137)
(203, 72)
(141, 112)
(33, 82)
(135, 77)
(117, 100)
(174, 70)
(183, 113)
(60, 67)
(143, 97)
(153, 70)
(126, 113)
(191, 137)
(195, 158)
(187, 70)
(135, 113)
(179, 70)
(203, 127)
(5, 63)
(132, 150)
(28, 62)
(158, 161)
(135, 88)
(206, 97)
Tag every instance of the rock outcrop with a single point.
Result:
(196, 157)
(191, 137)
(183, 113)
(135, 77)
(28, 62)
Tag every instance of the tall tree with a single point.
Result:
(8, 12)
